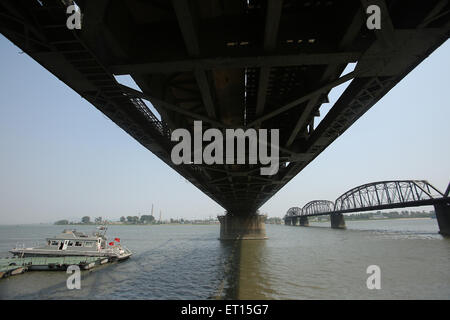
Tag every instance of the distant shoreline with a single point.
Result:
(190, 224)
(140, 225)
(379, 219)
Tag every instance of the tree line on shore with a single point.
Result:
(86, 220)
(149, 219)
(134, 220)
(390, 215)
(370, 216)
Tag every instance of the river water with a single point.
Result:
(188, 262)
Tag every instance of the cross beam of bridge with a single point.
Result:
(263, 64)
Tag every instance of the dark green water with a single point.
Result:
(188, 262)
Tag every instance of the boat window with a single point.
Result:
(49, 243)
(88, 244)
(55, 243)
(78, 244)
(70, 244)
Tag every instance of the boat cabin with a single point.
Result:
(73, 240)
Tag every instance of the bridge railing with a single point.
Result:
(142, 107)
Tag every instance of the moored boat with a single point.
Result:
(75, 243)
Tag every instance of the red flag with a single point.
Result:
(111, 243)
(117, 239)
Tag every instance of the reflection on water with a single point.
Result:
(229, 288)
(245, 277)
(254, 277)
(188, 262)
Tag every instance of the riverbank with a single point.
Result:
(385, 219)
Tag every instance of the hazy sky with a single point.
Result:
(62, 158)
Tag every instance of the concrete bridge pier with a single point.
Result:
(442, 211)
(304, 222)
(250, 227)
(294, 221)
(337, 221)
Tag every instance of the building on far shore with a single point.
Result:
(378, 215)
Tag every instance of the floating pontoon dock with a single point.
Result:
(17, 265)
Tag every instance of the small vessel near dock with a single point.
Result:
(72, 243)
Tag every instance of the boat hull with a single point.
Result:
(47, 253)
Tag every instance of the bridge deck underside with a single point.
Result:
(248, 64)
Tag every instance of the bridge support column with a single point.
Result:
(294, 221)
(304, 222)
(287, 222)
(442, 211)
(251, 227)
(337, 221)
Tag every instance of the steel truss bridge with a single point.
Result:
(231, 64)
(374, 196)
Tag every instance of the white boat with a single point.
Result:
(75, 243)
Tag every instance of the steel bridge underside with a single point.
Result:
(232, 64)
